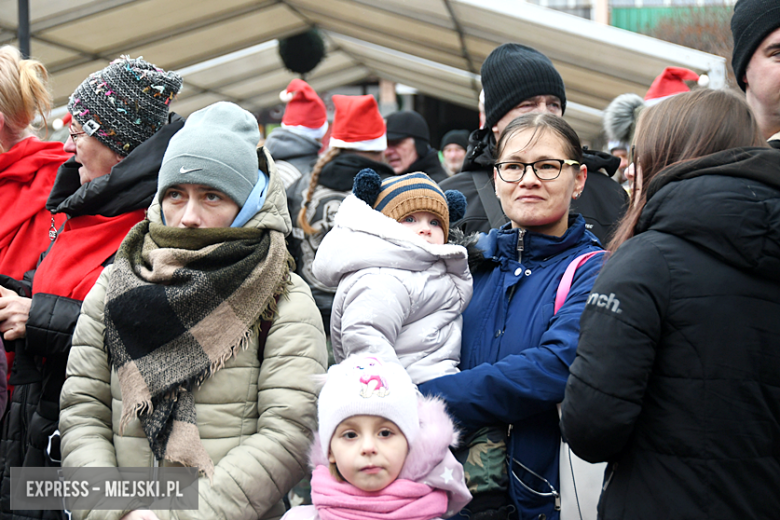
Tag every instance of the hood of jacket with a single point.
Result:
(596, 161)
(339, 173)
(273, 215)
(727, 203)
(382, 242)
(429, 460)
(501, 246)
(285, 145)
(479, 155)
(130, 186)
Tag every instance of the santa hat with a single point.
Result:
(305, 113)
(671, 82)
(621, 115)
(357, 124)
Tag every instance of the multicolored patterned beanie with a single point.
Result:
(364, 385)
(124, 104)
(402, 195)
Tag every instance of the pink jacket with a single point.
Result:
(429, 462)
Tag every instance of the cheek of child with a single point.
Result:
(368, 451)
(426, 225)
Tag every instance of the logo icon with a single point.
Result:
(184, 170)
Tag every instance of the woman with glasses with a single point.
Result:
(676, 383)
(516, 348)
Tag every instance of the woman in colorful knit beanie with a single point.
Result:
(382, 451)
(197, 346)
(121, 127)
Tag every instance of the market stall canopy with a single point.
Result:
(226, 50)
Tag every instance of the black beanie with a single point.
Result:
(401, 125)
(513, 73)
(753, 21)
(459, 137)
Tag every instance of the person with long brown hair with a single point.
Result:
(357, 140)
(677, 375)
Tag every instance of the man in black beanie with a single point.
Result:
(453, 149)
(519, 80)
(408, 146)
(756, 61)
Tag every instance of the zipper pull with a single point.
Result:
(509, 431)
(52, 231)
(520, 245)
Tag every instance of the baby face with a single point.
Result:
(369, 451)
(426, 225)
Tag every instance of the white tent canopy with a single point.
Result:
(226, 50)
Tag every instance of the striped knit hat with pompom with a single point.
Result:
(402, 195)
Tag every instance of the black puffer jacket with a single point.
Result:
(34, 411)
(677, 377)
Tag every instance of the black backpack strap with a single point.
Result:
(487, 195)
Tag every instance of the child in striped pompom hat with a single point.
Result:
(401, 286)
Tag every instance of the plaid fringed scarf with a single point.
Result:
(180, 303)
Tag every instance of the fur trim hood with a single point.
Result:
(430, 460)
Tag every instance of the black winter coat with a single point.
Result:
(677, 377)
(33, 415)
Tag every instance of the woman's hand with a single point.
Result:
(14, 312)
(140, 514)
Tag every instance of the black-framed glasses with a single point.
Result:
(75, 135)
(544, 169)
(632, 155)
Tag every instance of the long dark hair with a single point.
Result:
(682, 128)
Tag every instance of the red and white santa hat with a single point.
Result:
(672, 82)
(357, 124)
(305, 113)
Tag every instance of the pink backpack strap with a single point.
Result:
(568, 277)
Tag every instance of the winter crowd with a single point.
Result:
(340, 325)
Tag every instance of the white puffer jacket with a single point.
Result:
(399, 297)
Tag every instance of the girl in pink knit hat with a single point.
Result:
(382, 450)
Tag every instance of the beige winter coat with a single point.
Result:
(254, 420)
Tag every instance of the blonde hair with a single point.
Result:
(303, 221)
(24, 91)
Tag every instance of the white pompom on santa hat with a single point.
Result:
(357, 124)
(671, 82)
(305, 113)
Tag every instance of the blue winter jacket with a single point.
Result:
(516, 352)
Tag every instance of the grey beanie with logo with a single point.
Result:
(216, 147)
